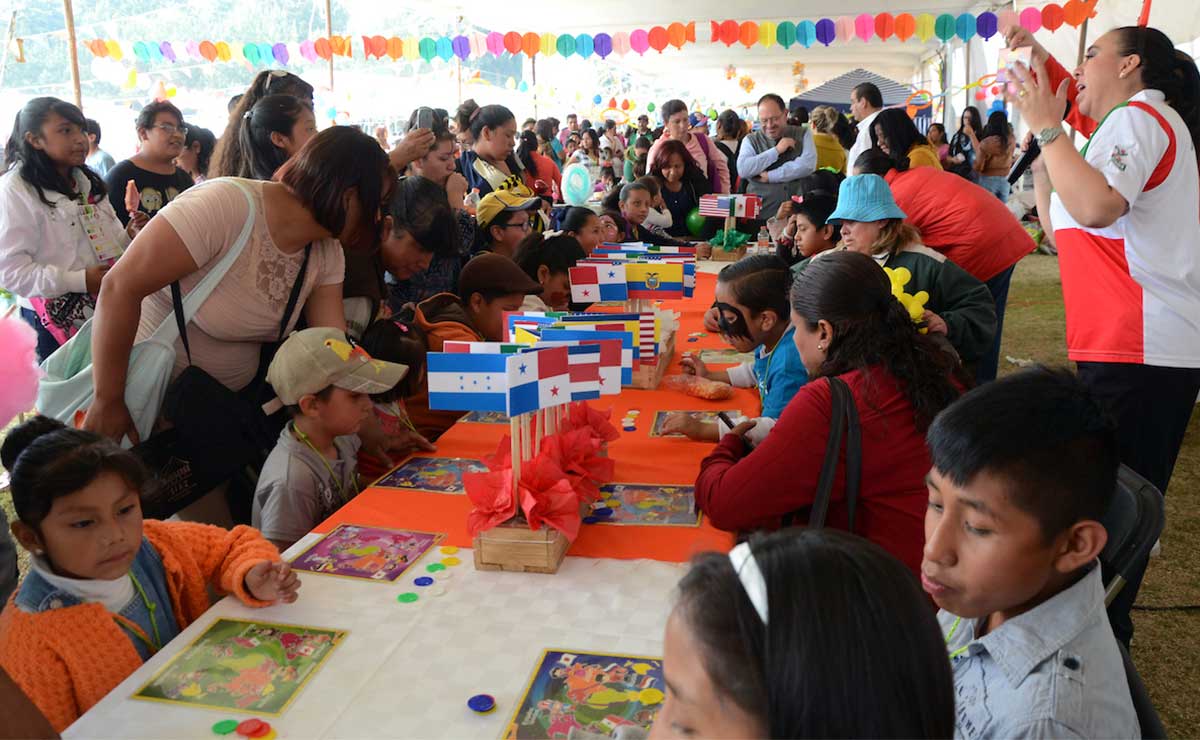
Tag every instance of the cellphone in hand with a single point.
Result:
(1008, 60)
(424, 117)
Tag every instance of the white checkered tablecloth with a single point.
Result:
(407, 670)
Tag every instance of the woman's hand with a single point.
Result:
(415, 144)
(710, 320)
(456, 191)
(1016, 37)
(703, 252)
(681, 422)
(1040, 106)
(267, 581)
(785, 210)
(137, 220)
(742, 429)
(111, 419)
(693, 365)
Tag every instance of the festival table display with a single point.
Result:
(730, 243)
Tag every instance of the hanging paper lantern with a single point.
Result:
(461, 46)
(639, 41)
(412, 48)
(1075, 12)
(602, 44)
(826, 31)
(650, 107)
(785, 34)
(1052, 16)
(987, 24)
(566, 45)
(367, 49)
(584, 45)
(1031, 19)
(208, 50)
(97, 48)
(168, 51)
(524, 86)
(395, 48)
(612, 102)
(677, 34)
(512, 42)
(906, 26)
(479, 45)
(280, 52)
(235, 53)
(748, 34)
(981, 95)
(427, 48)
(625, 104)
(925, 26)
(944, 27)
(806, 33)
(729, 32)
(766, 33)
(657, 37)
(1007, 19)
(193, 50)
(995, 89)
(156, 55)
(964, 26)
(531, 44)
(266, 53)
(223, 52)
(620, 43)
(139, 51)
(864, 26)
(131, 80)
(338, 45)
(885, 26)
(445, 48)
(549, 44)
(844, 27)
(495, 43)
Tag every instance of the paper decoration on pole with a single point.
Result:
(223, 52)
(169, 53)
(620, 43)
(549, 44)
(1007, 19)
(602, 45)
(639, 41)
(1052, 17)
(322, 47)
(584, 46)
(280, 52)
(925, 27)
(531, 44)
(512, 42)
(987, 24)
(785, 34)
(139, 52)
(748, 33)
(826, 31)
(864, 26)
(565, 45)
(885, 26)
(412, 48)
(461, 46)
(844, 26)
(208, 50)
(728, 34)
(657, 38)
(964, 26)
(427, 48)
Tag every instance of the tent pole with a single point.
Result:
(69, 14)
(329, 35)
(1144, 17)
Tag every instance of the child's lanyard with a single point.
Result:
(401, 413)
(337, 483)
(949, 637)
(156, 644)
(762, 384)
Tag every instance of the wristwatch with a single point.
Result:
(1048, 134)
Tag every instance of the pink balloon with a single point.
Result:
(845, 28)
(308, 51)
(620, 43)
(495, 43)
(193, 50)
(1007, 19)
(864, 26)
(479, 45)
(1031, 19)
(639, 41)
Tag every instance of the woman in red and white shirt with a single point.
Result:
(1125, 214)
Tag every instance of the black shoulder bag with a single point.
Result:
(843, 423)
(215, 433)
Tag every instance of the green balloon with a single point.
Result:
(695, 222)
(650, 107)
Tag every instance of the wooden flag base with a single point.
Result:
(513, 547)
(648, 377)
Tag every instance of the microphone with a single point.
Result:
(1032, 153)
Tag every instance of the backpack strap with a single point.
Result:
(843, 422)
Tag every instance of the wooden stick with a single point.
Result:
(329, 35)
(69, 14)
(514, 430)
(539, 431)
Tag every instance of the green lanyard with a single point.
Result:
(762, 384)
(156, 644)
(333, 478)
(949, 637)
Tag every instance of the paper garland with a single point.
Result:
(863, 28)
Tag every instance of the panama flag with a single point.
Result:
(654, 280)
(464, 381)
(537, 379)
(594, 283)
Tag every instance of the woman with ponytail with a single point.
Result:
(275, 129)
(849, 325)
(1124, 213)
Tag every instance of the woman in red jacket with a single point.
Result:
(849, 325)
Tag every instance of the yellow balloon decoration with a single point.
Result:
(223, 51)
(549, 44)
(766, 33)
(114, 50)
(412, 48)
(925, 25)
(914, 304)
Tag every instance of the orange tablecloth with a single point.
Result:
(639, 459)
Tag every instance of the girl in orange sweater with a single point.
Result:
(106, 589)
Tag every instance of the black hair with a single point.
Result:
(642, 142)
(463, 114)
(208, 142)
(844, 131)
(1064, 473)
(93, 129)
(554, 121)
(611, 200)
(821, 181)
(420, 207)
(900, 132)
(34, 165)
(869, 92)
(630, 188)
(529, 145)
(585, 125)
(1166, 69)
(608, 171)
(997, 125)
(233, 101)
(817, 207)
(671, 107)
(227, 156)
(610, 124)
(798, 116)
(871, 328)
(650, 184)
(146, 117)
(760, 283)
(776, 99)
(594, 137)
(939, 127)
(729, 124)
(489, 117)
(869, 662)
(576, 218)
(272, 114)
(528, 121)
(544, 130)
(640, 165)
(440, 126)
(336, 160)
(402, 342)
(875, 161)
(618, 219)
(960, 141)
(693, 176)
(47, 461)
(558, 254)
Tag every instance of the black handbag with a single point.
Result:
(843, 422)
(215, 434)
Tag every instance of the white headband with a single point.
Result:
(751, 578)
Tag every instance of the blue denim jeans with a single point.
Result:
(997, 186)
(988, 364)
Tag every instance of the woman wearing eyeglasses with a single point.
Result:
(161, 136)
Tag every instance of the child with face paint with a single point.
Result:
(752, 312)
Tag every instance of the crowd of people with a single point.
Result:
(332, 261)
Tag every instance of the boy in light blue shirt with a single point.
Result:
(1023, 470)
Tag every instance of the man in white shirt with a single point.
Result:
(865, 103)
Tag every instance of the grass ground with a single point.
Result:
(1165, 647)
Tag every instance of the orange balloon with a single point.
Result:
(531, 44)
(677, 35)
(748, 34)
(322, 46)
(395, 48)
(1052, 16)
(658, 38)
(379, 46)
(338, 44)
(906, 26)
(208, 50)
(691, 31)
(729, 32)
(1075, 12)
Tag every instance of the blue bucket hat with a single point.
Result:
(865, 198)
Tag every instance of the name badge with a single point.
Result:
(106, 248)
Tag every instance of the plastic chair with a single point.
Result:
(1134, 521)
(1152, 726)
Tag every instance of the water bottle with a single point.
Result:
(764, 240)
(472, 202)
